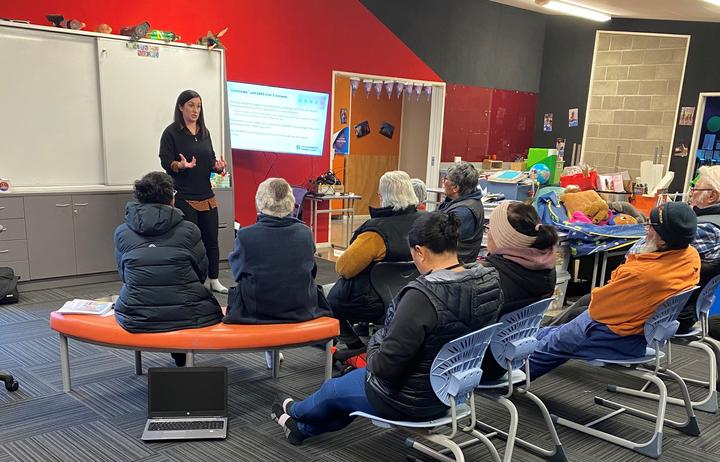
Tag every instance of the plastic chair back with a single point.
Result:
(707, 296)
(387, 278)
(299, 195)
(663, 324)
(456, 372)
(515, 340)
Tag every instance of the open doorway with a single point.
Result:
(383, 123)
(705, 144)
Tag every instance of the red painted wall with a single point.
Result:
(284, 43)
(480, 121)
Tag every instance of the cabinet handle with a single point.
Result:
(4, 251)
(2, 228)
(2, 207)
(81, 205)
(62, 205)
(222, 225)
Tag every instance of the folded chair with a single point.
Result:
(697, 338)
(454, 374)
(661, 326)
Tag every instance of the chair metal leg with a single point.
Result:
(651, 448)
(65, 363)
(689, 426)
(138, 362)
(442, 440)
(708, 404)
(715, 345)
(328, 360)
(190, 361)
(275, 364)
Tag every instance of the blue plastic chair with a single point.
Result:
(661, 326)
(512, 345)
(698, 338)
(454, 374)
(299, 195)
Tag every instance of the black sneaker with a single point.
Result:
(292, 432)
(279, 407)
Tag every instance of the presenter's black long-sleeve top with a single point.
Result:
(190, 183)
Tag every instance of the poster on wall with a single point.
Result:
(362, 129)
(681, 150)
(560, 146)
(573, 117)
(343, 116)
(547, 122)
(686, 115)
(387, 129)
(341, 140)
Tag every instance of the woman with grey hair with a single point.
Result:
(274, 264)
(382, 238)
(420, 191)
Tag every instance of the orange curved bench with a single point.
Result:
(105, 331)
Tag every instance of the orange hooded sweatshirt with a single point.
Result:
(639, 285)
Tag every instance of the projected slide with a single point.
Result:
(276, 119)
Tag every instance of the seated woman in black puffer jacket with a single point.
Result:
(426, 314)
(162, 263)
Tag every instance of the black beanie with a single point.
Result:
(676, 224)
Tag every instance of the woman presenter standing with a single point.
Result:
(187, 155)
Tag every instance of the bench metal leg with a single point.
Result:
(138, 362)
(65, 363)
(275, 364)
(328, 359)
(190, 361)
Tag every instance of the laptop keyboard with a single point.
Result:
(191, 425)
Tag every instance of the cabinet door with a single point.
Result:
(95, 222)
(226, 222)
(122, 200)
(50, 236)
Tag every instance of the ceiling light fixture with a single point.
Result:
(714, 2)
(579, 11)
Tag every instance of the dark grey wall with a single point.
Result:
(470, 42)
(567, 61)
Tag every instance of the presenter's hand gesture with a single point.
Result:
(220, 165)
(185, 164)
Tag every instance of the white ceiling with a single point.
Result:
(678, 10)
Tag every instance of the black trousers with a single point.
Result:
(572, 312)
(208, 224)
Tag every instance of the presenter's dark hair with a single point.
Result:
(183, 98)
(155, 188)
(437, 231)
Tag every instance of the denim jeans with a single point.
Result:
(581, 338)
(329, 408)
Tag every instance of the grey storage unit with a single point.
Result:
(50, 236)
(13, 237)
(226, 221)
(95, 220)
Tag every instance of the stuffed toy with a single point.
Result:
(587, 202)
(622, 219)
(211, 40)
(103, 29)
(627, 209)
(579, 217)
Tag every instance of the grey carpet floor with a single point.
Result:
(103, 418)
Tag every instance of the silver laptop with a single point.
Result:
(186, 403)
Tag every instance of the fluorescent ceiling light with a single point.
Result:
(574, 10)
(714, 2)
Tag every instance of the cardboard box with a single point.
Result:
(519, 166)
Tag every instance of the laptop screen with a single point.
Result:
(191, 391)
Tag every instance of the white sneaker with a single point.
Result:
(215, 286)
(269, 359)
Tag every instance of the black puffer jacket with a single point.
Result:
(161, 260)
(464, 302)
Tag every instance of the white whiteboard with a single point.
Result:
(80, 108)
(50, 109)
(138, 95)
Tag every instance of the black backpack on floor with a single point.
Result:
(8, 286)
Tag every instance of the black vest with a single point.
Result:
(708, 214)
(464, 302)
(357, 294)
(469, 247)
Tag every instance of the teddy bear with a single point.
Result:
(587, 202)
(623, 219)
(598, 211)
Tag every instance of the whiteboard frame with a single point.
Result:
(224, 132)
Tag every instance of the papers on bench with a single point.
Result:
(79, 306)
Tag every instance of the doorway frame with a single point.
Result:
(695, 141)
(437, 117)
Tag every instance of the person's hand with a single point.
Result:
(220, 165)
(185, 164)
